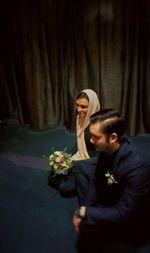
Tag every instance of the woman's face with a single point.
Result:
(82, 107)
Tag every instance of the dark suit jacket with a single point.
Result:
(125, 203)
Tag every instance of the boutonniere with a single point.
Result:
(110, 178)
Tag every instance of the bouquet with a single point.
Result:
(60, 163)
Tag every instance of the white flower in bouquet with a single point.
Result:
(60, 163)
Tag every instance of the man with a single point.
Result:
(113, 189)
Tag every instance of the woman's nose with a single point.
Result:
(79, 109)
(91, 140)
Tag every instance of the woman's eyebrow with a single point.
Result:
(81, 105)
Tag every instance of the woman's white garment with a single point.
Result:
(83, 123)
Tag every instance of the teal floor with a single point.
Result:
(33, 216)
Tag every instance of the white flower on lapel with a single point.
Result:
(110, 178)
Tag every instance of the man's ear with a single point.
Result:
(113, 138)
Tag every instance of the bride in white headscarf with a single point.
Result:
(87, 103)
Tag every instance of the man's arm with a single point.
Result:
(135, 190)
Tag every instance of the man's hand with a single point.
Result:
(77, 218)
(76, 223)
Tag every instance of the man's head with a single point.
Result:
(106, 128)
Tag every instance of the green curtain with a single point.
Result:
(50, 50)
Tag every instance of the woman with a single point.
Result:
(87, 103)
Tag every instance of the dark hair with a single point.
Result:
(112, 121)
(82, 94)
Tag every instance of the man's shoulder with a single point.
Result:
(129, 148)
(142, 144)
(131, 157)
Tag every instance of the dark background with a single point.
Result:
(50, 50)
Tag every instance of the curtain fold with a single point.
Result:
(50, 50)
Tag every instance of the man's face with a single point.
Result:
(99, 139)
(82, 107)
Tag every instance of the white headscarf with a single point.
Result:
(83, 123)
